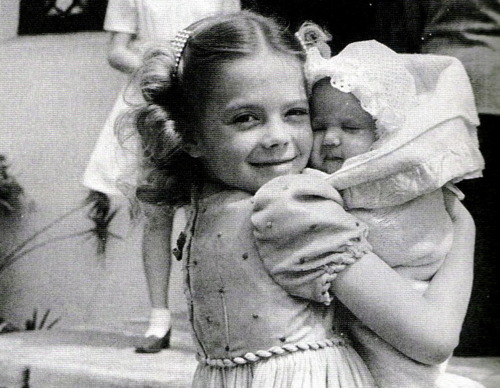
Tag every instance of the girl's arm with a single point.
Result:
(424, 327)
(304, 235)
(156, 252)
(120, 56)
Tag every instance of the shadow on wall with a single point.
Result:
(58, 90)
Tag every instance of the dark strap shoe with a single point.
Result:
(154, 344)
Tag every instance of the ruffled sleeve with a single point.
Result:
(304, 235)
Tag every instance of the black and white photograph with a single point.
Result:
(249, 193)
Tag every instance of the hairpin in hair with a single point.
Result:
(311, 35)
(303, 44)
(179, 43)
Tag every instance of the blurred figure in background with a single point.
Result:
(395, 23)
(134, 26)
(470, 31)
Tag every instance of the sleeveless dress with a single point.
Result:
(114, 164)
(249, 332)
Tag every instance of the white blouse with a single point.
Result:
(161, 19)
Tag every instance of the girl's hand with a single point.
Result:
(456, 210)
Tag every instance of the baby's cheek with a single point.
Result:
(316, 160)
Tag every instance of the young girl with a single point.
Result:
(391, 130)
(235, 89)
(113, 167)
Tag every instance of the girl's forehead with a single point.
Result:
(261, 72)
(266, 63)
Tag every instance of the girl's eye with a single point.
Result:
(245, 118)
(297, 115)
(298, 112)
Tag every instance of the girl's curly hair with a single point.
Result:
(173, 98)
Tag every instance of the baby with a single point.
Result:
(392, 131)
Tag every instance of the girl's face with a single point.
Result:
(255, 125)
(342, 129)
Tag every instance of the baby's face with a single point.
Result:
(342, 129)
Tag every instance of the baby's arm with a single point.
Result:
(424, 327)
(120, 54)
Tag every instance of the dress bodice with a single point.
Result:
(235, 306)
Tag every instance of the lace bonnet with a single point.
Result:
(372, 72)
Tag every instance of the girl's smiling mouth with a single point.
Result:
(272, 162)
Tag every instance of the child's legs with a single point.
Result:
(159, 238)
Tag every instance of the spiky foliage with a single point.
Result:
(10, 190)
(101, 215)
(7, 327)
(34, 324)
(30, 324)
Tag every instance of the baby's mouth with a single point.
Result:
(328, 153)
(331, 158)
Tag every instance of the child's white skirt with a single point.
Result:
(113, 166)
(329, 367)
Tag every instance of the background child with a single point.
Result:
(113, 167)
(235, 90)
(134, 26)
(392, 130)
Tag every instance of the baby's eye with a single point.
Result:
(351, 128)
(318, 128)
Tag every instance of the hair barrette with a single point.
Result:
(310, 36)
(179, 43)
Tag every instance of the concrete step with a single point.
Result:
(53, 359)
(67, 359)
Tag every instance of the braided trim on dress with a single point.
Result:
(274, 351)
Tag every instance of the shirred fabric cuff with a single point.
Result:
(304, 235)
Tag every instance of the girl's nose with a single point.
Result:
(332, 136)
(276, 135)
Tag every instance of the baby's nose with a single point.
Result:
(332, 136)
